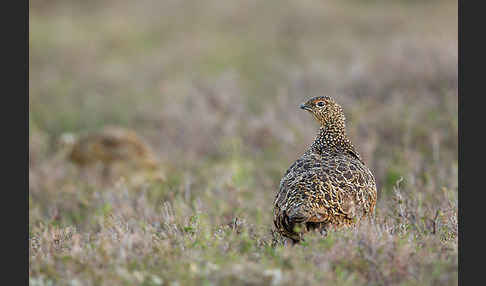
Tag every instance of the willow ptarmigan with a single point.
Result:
(109, 145)
(329, 185)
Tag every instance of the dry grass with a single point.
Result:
(214, 87)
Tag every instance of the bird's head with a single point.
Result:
(326, 111)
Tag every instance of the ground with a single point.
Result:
(215, 88)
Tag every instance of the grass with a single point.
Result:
(214, 88)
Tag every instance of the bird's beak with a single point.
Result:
(305, 107)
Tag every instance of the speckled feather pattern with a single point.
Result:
(329, 185)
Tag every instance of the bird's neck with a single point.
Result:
(332, 138)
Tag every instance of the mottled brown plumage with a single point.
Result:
(110, 145)
(329, 185)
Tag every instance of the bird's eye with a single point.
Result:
(320, 103)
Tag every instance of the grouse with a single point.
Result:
(109, 145)
(329, 185)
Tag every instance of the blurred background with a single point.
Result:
(214, 88)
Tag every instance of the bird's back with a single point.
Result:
(109, 145)
(330, 188)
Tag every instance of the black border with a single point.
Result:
(15, 132)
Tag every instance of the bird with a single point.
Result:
(329, 185)
(107, 146)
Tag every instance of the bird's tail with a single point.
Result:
(291, 224)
